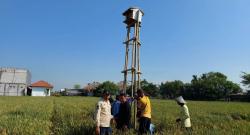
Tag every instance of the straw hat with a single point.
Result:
(180, 100)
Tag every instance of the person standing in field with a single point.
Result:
(184, 115)
(124, 115)
(115, 106)
(103, 115)
(143, 112)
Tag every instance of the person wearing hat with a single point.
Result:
(103, 115)
(184, 115)
(143, 112)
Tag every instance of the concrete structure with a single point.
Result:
(41, 88)
(14, 81)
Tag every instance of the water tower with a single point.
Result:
(133, 18)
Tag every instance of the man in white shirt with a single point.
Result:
(103, 115)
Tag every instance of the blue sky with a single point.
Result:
(67, 42)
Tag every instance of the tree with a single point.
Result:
(212, 86)
(150, 88)
(90, 87)
(77, 86)
(246, 79)
(171, 89)
(107, 85)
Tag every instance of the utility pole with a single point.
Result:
(133, 17)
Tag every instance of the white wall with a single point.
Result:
(12, 75)
(14, 82)
(12, 89)
(39, 91)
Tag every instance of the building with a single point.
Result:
(14, 81)
(73, 92)
(41, 88)
(240, 96)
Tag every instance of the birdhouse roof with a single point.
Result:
(131, 9)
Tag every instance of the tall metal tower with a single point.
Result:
(133, 17)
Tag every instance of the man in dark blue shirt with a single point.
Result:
(124, 114)
(115, 107)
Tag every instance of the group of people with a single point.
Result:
(119, 113)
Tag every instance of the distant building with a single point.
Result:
(14, 81)
(240, 96)
(74, 92)
(41, 88)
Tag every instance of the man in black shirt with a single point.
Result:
(124, 114)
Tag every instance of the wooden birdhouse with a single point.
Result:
(133, 15)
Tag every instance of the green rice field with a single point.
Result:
(74, 116)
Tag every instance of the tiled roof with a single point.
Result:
(41, 84)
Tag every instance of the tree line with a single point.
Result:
(207, 86)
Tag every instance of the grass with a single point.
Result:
(74, 116)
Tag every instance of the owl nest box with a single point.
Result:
(133, 15)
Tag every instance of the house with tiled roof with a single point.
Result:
(41, 88)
